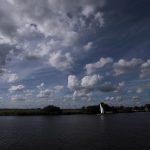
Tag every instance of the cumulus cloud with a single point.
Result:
(93, 67)
(145, 69)
(91, 81)
(11, 77)
(45, 93)
(89, 84)
(123, 66)
(46, 35)
(8, 76)
(60, 61)
(51, 16)
(82, 93)
(86, 86)
(48, 30)
(16, 88)
(73, 82)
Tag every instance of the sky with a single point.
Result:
(74, 53)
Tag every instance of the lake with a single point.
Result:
(128, 131)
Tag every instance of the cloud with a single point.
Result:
(7, 52)
(8, 24)
(48, 30)
(73, 82)
(109, 98)
(60, 61)
(11, 77)
(90, 84)
(45, 93)
(58, 88)
(51, 16)
(91, 81)
(88, 46)
(93, 67)
(41, 86)
(81, 93)
(99, 18)
(16, 88)
(38, 39)
(145, 69)
(8, 76)
(88, 10)
(107, 87)
(124, 66)
(85, 87)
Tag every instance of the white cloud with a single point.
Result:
(109, 98)
(58, 88)
(90, 84)
(81, 93)
(145, 69)
(12, 77)
(16, 88)
(91, 81)
(93, 67)
(45, 31)
(8, 76)
(73, 82)
(99, 18)
(60, 61)
(41, 86)
(88, 10)
(46, 93)
(123, 66)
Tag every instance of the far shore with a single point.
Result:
(53, 110)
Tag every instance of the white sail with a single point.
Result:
(101, 109)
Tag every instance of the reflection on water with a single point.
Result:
(76, 132)
(102, 117)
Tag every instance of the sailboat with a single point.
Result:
(101, 109)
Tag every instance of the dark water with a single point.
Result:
(76, 132)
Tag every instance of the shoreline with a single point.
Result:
(22, 112)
